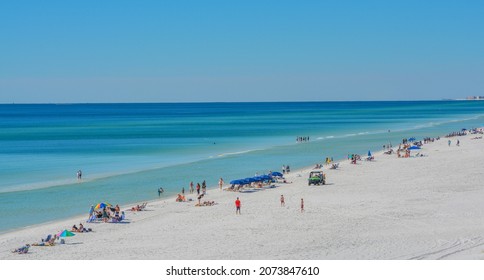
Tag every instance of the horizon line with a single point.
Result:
(205, 102)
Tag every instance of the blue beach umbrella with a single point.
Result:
(275, 173)
(250, 180)
(258, 178)
(244, 181)
(236, 182)
(412, 139)
(414, 148)
(266, 177)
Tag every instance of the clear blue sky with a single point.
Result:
(169, 51)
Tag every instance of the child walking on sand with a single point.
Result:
(282, 201)
(237, 206)
(302, 205)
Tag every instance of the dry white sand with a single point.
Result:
(392, 208)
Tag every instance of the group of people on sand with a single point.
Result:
(138, 207)
(107, 214)
(50, 240)
(200, 188)
(354, 158)
(81, 228)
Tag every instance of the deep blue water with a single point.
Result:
(127, 151)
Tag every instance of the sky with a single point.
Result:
(232, 51)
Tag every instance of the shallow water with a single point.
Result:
(127, 151)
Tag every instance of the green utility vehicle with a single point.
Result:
(316, 178)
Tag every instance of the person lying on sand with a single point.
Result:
(206, 203)
(48, 243)
(83, 229)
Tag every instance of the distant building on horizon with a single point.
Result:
(475, 98)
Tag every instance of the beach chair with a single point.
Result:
(119, 219)
(334, 166)
(143, 206)
(93, 219)
(47, 239)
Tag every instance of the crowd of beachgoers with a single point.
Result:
(106, 213)
(101, 213)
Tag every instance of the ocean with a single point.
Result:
(127, 151)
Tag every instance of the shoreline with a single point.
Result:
(165, 212)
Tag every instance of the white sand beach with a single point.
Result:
(392, 208)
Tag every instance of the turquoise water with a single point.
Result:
(127, 151)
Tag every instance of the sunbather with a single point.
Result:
(51, 242)
(22, 250)
(83, 229)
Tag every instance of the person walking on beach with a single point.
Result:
(183, 191)
(160, 191)
(282, 201)
(449, 142)
(237, 206)
(198, 188)
(458, 142)
(302, 205)
(221, 183)
(91, 211)
(191, 187)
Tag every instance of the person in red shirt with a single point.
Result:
(237, 206)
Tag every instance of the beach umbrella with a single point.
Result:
(250, 180)
(275, 173)
(369, 153)
(236, 182)
(412, 139)
(266, 177)
(102, 205)
(257, 178)
(414, 148)
(262, 178)
(65, 233)
(245, 181)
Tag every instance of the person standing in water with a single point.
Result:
(221, 183)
